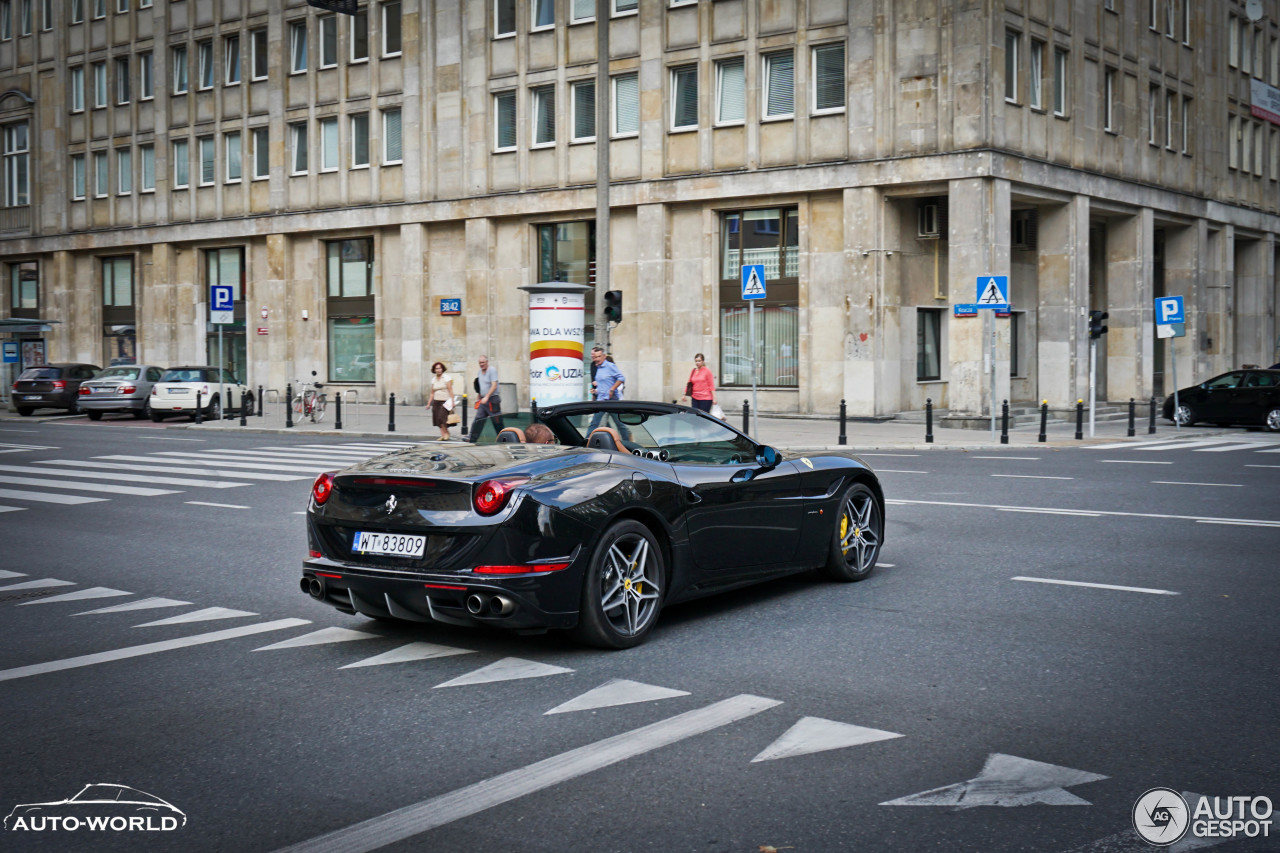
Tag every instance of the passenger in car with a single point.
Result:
(538, 434)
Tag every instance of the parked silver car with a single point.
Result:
(126, 388)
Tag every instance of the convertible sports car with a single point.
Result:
(639, 505)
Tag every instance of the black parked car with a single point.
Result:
(1239, 397)
(640, 505)
(51, 386)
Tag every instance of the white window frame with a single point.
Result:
(1233, 42)
(542, 101)
(181, 149)
(1170, 20)
(259, 45)
(124, 171)
(1170, 107)
(499, 98)
(1233, 142)
(387, 52)
(1108, 99)
(77, 17)
(1275, 154)
(122, 6)
(740, 64)
(1153, 15)
(574, 88)
(76, 83)
(79, 178)
(298, 47)
(359, 19)
(17, 164)
(674, 74)
(1246, 46)
(614, 133)
(99, 84)
(123, 95)
(146, 76)
(232, 144)
(1153, 97)
(1035, 78)
(205, 65)
(1061, 70)
(24, 17)
(147, 168)
(181, 64)
(232, 69)
(615, 12)
(576, 11)
(498, 15)
(1186, 125)
(101, 175)
(770, 62)
(330, 144)
(261, 147)
(844, 78)
(534, 7)
(1012, 40)
(327, 37)
(299, 130)
(354, 122)
(207, 152)
(387, 158)
(1186, 22)
(1259, 149)
(46, 15)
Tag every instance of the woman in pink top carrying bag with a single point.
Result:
(701, 387)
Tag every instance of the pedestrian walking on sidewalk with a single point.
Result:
(701, 387)
(441, 399)
(489, 402)
(606, 382)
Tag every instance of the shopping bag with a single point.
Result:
(716, 411)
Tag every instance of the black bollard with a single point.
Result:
(391, 412)
(199, 414)
(337, 412)
(1004, 423)
(1044, 420)
(1131, 413)
(465, 409)
(288, 405)
(1079, 419)
(746, 417)
(1151, 426)
(533, 410)
(244, 411)
(928, 420)
(259, 401)
(843, 415)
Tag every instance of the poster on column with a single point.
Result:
(555, 347)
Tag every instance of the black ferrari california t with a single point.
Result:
(638, 505)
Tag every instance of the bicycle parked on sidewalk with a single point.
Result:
(310, 401)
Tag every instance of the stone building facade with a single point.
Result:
(347, 173)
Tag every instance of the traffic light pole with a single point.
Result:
(1093, 371)
(603, 11)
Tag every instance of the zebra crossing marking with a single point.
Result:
(208, 614)
(110, 461)
(85, 487)
(148, 603)
(43, 583)
(233, 461)
(127, 478)
(46, 497)
(79, 595)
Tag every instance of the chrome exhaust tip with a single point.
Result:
(316, 588)
(475, 604)
(500, 605)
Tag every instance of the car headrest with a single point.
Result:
(511, 435)
(606, 438)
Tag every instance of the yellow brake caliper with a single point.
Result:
(844, 530)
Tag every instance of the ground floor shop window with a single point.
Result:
(777, 345)
(119, 345)
(233, 355)
(769, 238)
(351, 349)
(119, 319)
(351, 329)
(24, 288)
(928, 344)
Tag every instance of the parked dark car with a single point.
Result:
(640, 505)
(51, 386)
(120, 389)
(1249, 397)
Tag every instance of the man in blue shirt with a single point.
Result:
(608, 379)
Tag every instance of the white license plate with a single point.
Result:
(391, 544)
(102, 390)
(34, 397)
(178, 390)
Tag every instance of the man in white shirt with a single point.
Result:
(489, 404)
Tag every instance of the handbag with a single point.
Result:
(688, 388)
(454, 419)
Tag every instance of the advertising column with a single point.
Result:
(556, 342)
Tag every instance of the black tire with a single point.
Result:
(25, 412)
(622, 589)
(74, 408)
(156, 417)
(94, 416)
(1272, 420)
(856, 536)
(1184, 415)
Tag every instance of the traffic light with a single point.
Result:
(1096, 329)
(613, 305)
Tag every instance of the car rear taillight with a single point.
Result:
(59, 384)
(204, 389)
(84, 391)
(520, 570)
(322, 488)
(492, 495)
(154, 389)
(128, 389)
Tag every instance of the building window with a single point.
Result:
(124, 171)
(1233, 142)
(144, 4)
(581, 11)
(828, 78)
(208, 171)
(544, 13)
(46, 15)
(226, 267)
(1035, 98)
(1153, 95)
(204, 54)
(684, 97)
(1246, 46)
(1246, 143)
(181, 165)
(567, 252)
(1170, 25)
(99, 84)
(298, 47)
(1108, 96)
(17, 165)
(258, 42)
(1170, 103)
(261, 153)
(1011, 66)
(352, 335)
(584, 110)
(122, 6)
(391, 29)
(504, 18)
(504, 121)
(1017, 334)
(360, 36)
(147, 154)
(731, 91)
(24, 286)
(231, 59)
(1275, 155)
(101, 178)
(544, 115)
(1233, 42)
(626, 104)
(77, 11)
(328, 25)
(1186, 125)
(328, 144)
(24, 17)
(1059, 82)
(1186, 22)
(77, 177)
(780, 85)
(146, 76)
(625, 7)
(6, 20)
(179, 56)
(769, 237)
(392, 145)
(117, 282)
(77, 89)
(1153, 11)
(298, 148)
(1259, 153)
(360, 141)
(122, 80)
(231, 148)
(928, 344)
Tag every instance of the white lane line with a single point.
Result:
(166, 438)
(148, 649)
(1031, 477)
(1134, 445)
(1117, 513)
(12, 508)
(192, 470)
(1239, 523)
(894, 455)
(19, 430)
(1247, 445)
(427, 815)
(1099, 586)
(892, 471)
(43, 583)
(1050, 511)
(1184, 445)
(1178, 483)
(1023, 458)
(232, 461)
(223, 506)
(1263, 466)
(322, 450)
(5, 573)
(290, 455)
(45, 497)
(113, 488)
(1138, 461)
(1277, 450)
(125, 478)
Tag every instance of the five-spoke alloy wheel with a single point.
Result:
(859, 530)
(623, 589)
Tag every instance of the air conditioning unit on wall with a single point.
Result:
(931, 218)
(1024, 227)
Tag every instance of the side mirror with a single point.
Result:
(767, 457)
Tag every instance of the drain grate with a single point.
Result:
(31, 593)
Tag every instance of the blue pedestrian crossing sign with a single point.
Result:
(753, 281)
(993, 290)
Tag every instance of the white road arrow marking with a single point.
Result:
(317, 638)
(814, 734)
(8, 574)
(1007, 780)
(619, 691)
(410, 652)
(507, 669)
(143, 604)
(205, 615)
(79, 595)
(40, 584)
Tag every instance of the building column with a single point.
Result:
(402, 309)
(155, 306)
(1061, 339)
(1130, 339)
(1252, 342)
(269, 357)
(481, 328)
(859, 313)
(56, 297)
(646, 288)
(977, 245)
(1184, 250)
(1212, 344)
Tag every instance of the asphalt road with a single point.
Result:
(964, 698)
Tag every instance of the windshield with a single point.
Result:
(686, 437)
(118, 373)
(187, 374)
(42, 373)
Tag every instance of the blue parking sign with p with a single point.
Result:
(221, 297)
(1169, 310)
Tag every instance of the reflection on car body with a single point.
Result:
(638, 506)
(1250, 397)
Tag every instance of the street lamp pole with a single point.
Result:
(602, 170)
